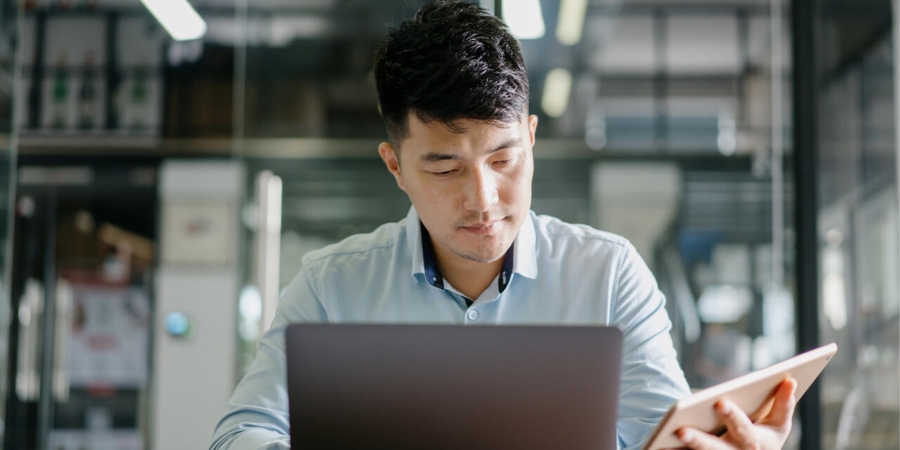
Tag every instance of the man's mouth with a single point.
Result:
(481, 228)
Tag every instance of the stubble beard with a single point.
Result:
(489, 253)
(481, 258)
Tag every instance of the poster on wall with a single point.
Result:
(109, 337)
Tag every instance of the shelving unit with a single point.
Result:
(113, 85)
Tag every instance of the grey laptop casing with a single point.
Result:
(454, 387)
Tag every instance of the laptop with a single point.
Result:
(404, 387)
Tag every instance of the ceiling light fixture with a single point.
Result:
(524, 18)
(178, 17)
(571, 21)
(557, 88)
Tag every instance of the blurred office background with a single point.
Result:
(161, 179)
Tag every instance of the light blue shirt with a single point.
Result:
(561, 274)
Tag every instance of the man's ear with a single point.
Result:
(532, 127)
(389, 156)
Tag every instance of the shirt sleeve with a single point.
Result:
(651, 377)
(257, 414)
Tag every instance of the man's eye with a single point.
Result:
(502, 162)
(444, 173)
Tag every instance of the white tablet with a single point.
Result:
(753, 393)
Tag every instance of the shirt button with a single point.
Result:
(472, 315)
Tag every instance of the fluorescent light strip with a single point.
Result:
(178, 17)
(571, 21)
(557, 89)
(524, 18)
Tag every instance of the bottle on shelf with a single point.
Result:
(87, 95)
(138, 101)
(60, 100)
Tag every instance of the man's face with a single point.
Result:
(472, 189)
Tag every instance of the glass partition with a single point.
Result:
(84, 253)
(661, 122)
(10, 18)
(858, 225)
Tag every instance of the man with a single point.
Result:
(453, 92)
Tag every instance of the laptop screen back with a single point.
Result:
(404, 387)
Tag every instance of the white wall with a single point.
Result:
(199, 277)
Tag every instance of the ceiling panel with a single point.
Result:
(702, 45)
(623, 45)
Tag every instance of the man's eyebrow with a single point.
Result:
(437, 156)
(506, 144)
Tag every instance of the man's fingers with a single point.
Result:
(698, 440)
(741, 430)
(783, 407)
(740, 427)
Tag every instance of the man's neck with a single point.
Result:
(467, 276)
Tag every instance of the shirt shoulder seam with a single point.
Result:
(316, 258)
(620, 241)
(317, 289)
(618, 276)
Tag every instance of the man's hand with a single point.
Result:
(769, 433)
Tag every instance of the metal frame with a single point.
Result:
(114, 79)
(805, 162)
(35, 91)
(48, 351)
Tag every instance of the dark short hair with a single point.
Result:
(453, 60)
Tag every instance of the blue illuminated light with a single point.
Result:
(178, 324)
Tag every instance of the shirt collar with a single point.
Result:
(429, 261)
(525, 263)
(521, 259)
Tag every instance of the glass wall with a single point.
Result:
(663, 121)
(9, 27)
(89, 77)
(858, 226)
(661, 130)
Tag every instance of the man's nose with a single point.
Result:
(481, 191)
